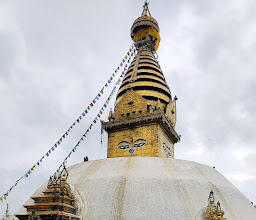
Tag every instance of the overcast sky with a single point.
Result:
(55, 56)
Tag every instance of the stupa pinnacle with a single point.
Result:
(144, 74)
(144, 118)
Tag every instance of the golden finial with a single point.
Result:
(211, 199)
(63, 178)
(7, 210)
(145, 11)
(220, 213)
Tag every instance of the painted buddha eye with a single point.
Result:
(168, 154)
(123, 145)
(139, 143)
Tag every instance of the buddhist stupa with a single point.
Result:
(140, 178)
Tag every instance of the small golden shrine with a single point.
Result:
(57, 201)
(213, 212)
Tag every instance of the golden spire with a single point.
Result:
(144, 117)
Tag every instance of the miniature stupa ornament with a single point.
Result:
(213, 212)
(56, 201)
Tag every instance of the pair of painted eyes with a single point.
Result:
(125, 145)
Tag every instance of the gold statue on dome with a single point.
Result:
(56, 202)
(213, 212)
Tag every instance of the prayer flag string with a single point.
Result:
(127, 58)
(96, 118)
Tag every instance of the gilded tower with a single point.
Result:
(144, 118)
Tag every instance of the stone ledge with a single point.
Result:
(148, 118)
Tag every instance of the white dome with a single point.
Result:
(151, 188)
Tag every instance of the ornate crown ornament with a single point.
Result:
(213, 212)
